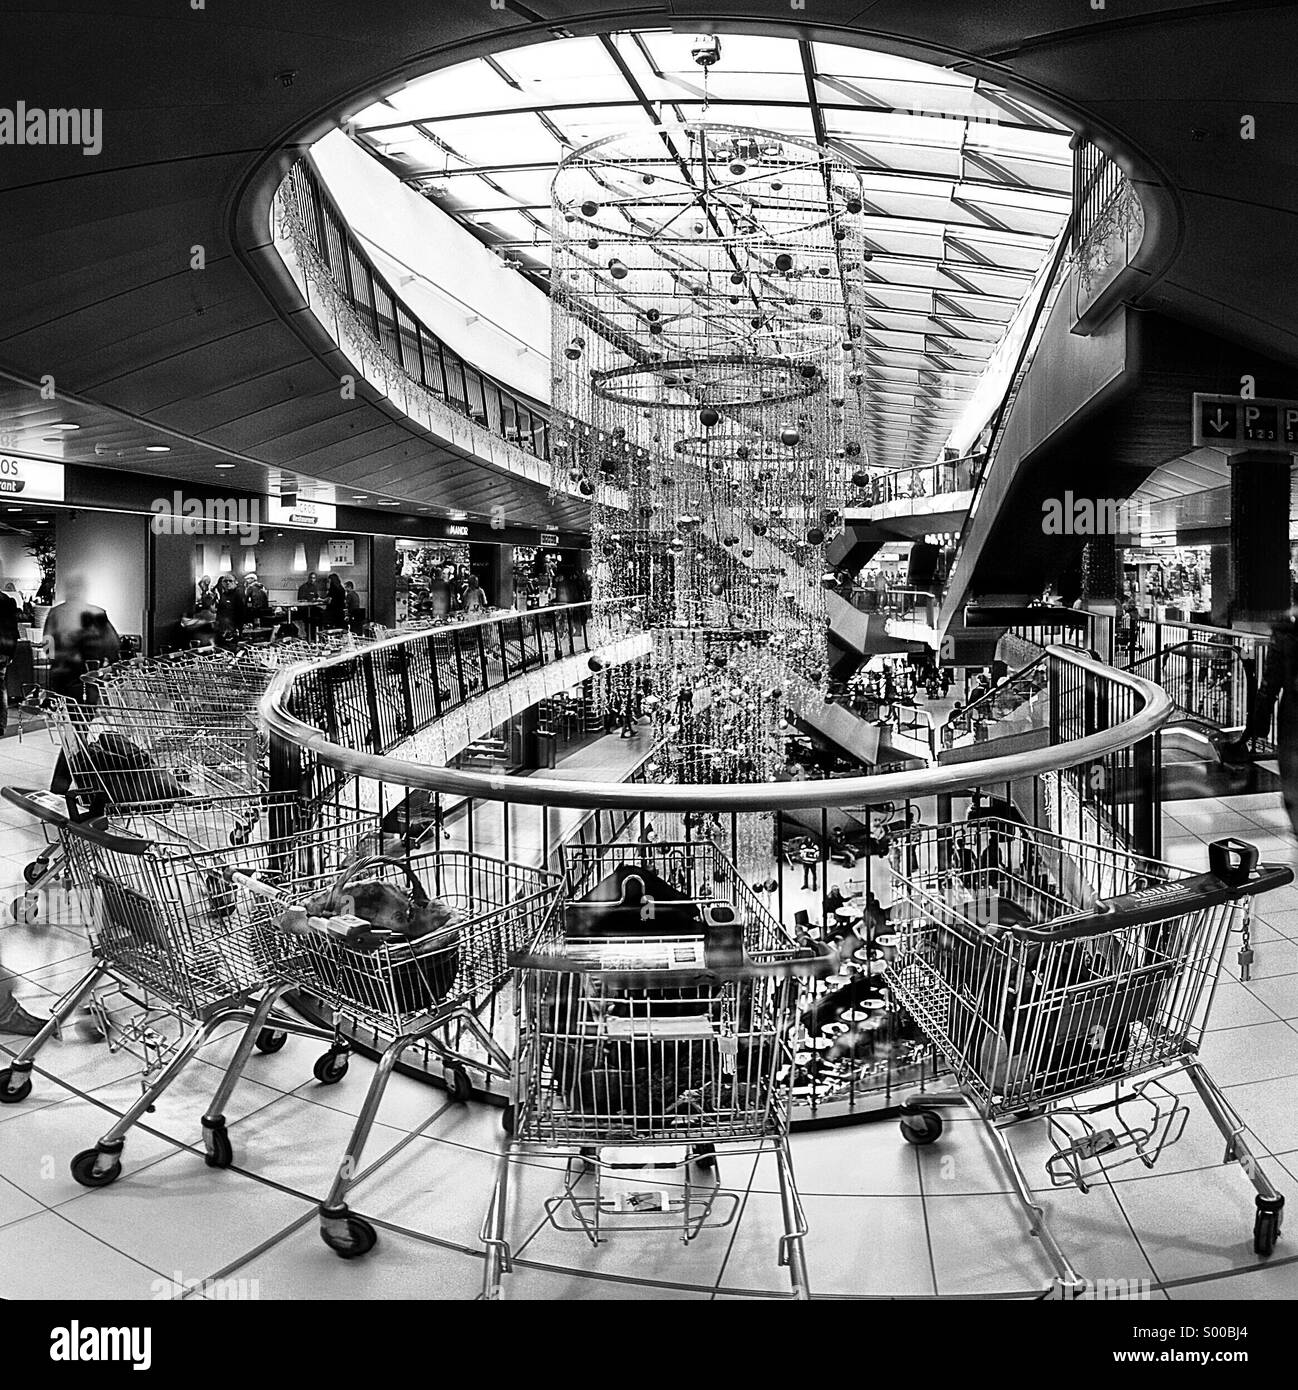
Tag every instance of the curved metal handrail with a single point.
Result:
(752, 796)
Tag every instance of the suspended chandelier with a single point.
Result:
(708, 398)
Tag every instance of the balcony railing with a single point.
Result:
(928, 480)
(342, 277)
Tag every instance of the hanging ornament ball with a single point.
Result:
(717, 588)
(655, 327)
(708, 417)
(746, 553)
(759, 528)
(593, 243)
(852, 449)
(772, 885)
(815, 536)
(698, 229)
(808, 371)
(617, 269)
(619, 431)
(776, 185)
(789, 436)
(840, 233)
(854, 205)
(837, 402)
(784, 262)
(756, 322)
(595, 663)
(589, 208)
(860, 478)
(816, 315)
(741, 452)
(573, 351)
(646, 509)
(585, 487)
(737, 167)
(570, 217)
(823, 272)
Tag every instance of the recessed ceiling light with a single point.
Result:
(63, 425)
(223, 465)
(42, 521)
(386, 503)
(157, 448)
(13, 509)
(361, 497)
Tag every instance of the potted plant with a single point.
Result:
(42, 549)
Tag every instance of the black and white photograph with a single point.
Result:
(648, 652)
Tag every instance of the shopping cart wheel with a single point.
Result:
(349, 1238)
(12, 1095)
(704, 1156)
(25, 909)
(921, 1127)
(34, 872)
(458, 1084)
(1266, 1224)
(508, 1118)
(83, 1169)
(331, 1068)
(216, 1141)
(270, 1040)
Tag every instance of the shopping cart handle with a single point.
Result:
(1159, 903)
(92, 830)
(26, 799)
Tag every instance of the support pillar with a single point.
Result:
(1101, 575)
(1259, 539)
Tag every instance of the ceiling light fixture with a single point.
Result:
(157, 448)
(63, 425)
(223, 465)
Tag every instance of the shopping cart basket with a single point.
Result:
(182, 931)
(1069, 980)
(639, 1059)
(432, 991)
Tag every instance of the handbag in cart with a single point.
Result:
(423, 963)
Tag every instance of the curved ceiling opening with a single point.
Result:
(967, 187)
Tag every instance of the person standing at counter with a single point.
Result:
(475, 601)
(439, 596)
(335, 604)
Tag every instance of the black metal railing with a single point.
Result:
(375, 699)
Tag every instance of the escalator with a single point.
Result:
(1201, 752)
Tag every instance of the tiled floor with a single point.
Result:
(885, 1219)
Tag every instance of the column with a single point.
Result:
(1259, 539)
(1101, 576)
(1219, 561)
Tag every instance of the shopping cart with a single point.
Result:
(1070, 981)
(182, 931)
(432, 992)
(639, 1058)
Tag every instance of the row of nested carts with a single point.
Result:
(642, 1030)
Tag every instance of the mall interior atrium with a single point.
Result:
(648, 654)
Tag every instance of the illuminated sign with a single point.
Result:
(301, 511)
(1236, 423)
(549, 538)
(453, 530)
(36, 480)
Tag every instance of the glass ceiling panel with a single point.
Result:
(945, 276)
